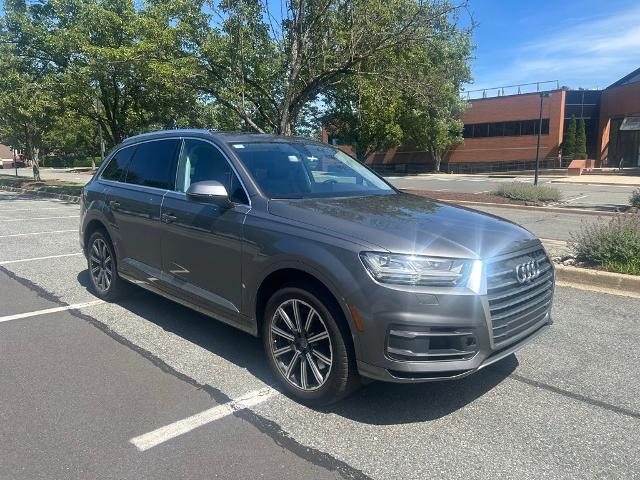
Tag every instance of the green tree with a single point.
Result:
(581, 140)
(27, 105)
(569, 145)
(265, 66)
(380, 112)
(98, 52)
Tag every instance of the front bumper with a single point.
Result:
(426, 373)
(419, 334)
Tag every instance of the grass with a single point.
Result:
(613, 246)
(50, 186)
(528, 193)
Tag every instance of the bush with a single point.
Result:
(614, 245)
(68, 162)
(528, 193)
(635, 198)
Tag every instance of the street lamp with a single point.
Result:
(543, 95)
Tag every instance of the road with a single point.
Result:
(584, 196)
(80, 388)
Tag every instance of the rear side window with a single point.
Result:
(154, 164)
(117, 166)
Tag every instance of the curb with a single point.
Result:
(59, 196)
(617, 283)
(531, 207)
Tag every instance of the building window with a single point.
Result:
(505, 129)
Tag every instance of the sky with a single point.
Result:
(580, 43)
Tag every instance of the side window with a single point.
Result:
(200, 161)
(117, 166)
(154, 163)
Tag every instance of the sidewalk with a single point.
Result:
(625, 180)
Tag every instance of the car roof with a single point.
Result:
(225, 137)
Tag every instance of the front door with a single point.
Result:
(202, 242)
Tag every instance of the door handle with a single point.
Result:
(168, 217)
(114, 205)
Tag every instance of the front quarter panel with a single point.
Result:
(273, 244)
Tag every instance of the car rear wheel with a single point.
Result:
(103, 273)
(307, 346)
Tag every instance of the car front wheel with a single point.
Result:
(307, 347)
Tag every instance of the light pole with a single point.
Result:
(543, 95)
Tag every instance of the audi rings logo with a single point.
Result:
(528, 271)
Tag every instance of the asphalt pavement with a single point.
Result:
(575, 196)
(146, 388)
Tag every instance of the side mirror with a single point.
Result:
(209, 191)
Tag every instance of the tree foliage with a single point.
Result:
(387, 71)
(569, 145)
(581, 140)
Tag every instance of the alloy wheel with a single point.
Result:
(301, 345)
(101, 265)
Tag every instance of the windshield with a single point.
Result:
(298, 170)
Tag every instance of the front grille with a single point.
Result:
(516, 306)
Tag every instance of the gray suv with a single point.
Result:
(342, 275)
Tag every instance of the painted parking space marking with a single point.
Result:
(34, 259)
(37, 233)
(36, 218)
(180, 427)
(75, 306)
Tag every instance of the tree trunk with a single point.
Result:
(437, 159)
(36, 163)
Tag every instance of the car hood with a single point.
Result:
(405, 223)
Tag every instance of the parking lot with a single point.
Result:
(148, 389)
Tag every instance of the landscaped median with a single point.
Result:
(51, 188)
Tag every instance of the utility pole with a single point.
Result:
(543, 95)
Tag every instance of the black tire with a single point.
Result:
(341, 377)
(108, 288)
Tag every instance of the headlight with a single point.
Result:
(415, 269)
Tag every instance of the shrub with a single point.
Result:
(614, 245)
(68, 162)
(635, 198)
(528, 193)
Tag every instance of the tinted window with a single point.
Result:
(496, 129)
(295, 170)
(511, 129)
(118, 165)
(201, 161)
(154, 163)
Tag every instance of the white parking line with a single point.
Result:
(7, 262)
(35, 218)
(75, 306)
(175, 429)
(575, 198)
(37, 233)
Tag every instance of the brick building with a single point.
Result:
(501, 132)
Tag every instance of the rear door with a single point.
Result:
(202, 242)
(135, 206)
